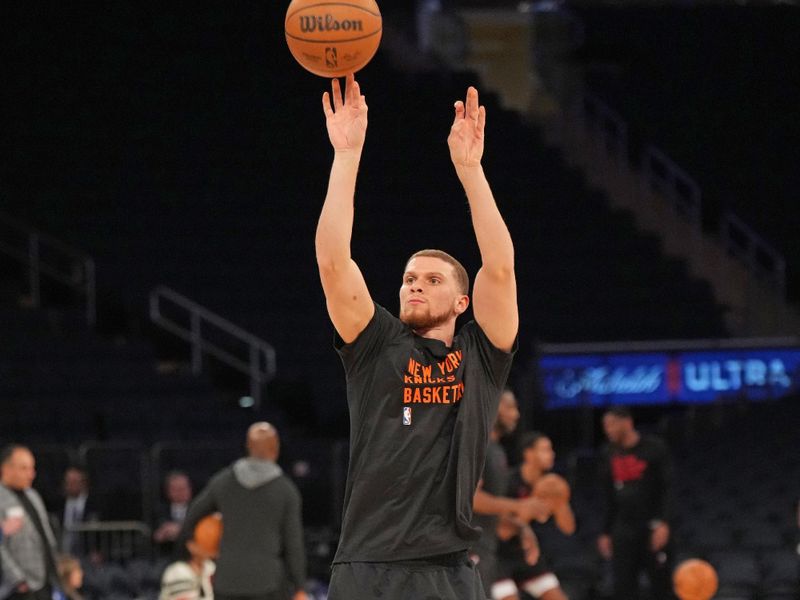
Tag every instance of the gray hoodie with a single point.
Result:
(262, 538)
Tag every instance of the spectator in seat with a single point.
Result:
(28, 557)
(178, 490)
(70, 574)
(79, 507)
(190, 577)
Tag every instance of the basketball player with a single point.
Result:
(495, 509)
(636, 534)
(537, 580)
(422, 398)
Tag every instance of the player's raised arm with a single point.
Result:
(349, 304)
(494, 295)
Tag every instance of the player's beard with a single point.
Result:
(419, 322)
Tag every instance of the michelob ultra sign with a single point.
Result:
(662, 373)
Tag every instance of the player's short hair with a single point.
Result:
(462, 279)
(530, 438)
(621, 412)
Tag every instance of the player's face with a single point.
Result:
(541, 454)
(615, 428)
(429, 296)
(507, 413)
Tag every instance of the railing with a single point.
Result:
(202, 323)
(667, 178)
(605, 125)
(115, 541)
(608, 131)
(745, 244)
(45, 256)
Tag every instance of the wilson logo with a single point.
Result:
(310, 24)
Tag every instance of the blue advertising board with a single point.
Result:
(692, 376)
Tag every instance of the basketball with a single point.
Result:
(332, 39)
(552, 487)
(208, 532)
(695, 579)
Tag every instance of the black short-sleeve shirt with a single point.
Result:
(420, 417)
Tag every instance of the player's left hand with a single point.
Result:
(466, 134)
(659, 537)
(530, 544)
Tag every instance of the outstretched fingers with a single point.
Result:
(352, 91)
(326, 105)
(338, 101)
(481, 120)
(459, 110)
(472, 103)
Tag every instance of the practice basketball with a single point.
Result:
(695, 579)
(208, 533)
(553, 488)
(332, 39)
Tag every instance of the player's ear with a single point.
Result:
(461, 304)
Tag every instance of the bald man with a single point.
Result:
(28, 557)
(262, 540)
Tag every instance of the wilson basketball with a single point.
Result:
(553, 488)
(208, 533)
(695, 579)
(332, 39)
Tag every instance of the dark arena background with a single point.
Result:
(162, 168)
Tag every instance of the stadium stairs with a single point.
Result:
(575, 97)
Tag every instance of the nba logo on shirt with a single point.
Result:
(406, 415)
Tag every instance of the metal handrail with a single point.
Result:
(260, 362)
(113, 540)
(665, 176)
(601, 120)
(744, 243)
(81, 276)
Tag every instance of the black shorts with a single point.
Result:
(446, 577)
(511, 563)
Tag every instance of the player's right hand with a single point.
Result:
(345, 116)
(605, 547)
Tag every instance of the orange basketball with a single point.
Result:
(332, 39)
(208, 533)
(553, 488)
(695, 579)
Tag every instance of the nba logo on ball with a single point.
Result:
(406, 415)
(333, 38)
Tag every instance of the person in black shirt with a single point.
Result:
(422, 398)
(637, 483)
(537, 580)
(495, 509)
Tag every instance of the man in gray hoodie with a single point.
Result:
(262, 539)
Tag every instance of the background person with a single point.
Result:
(262, 538)
(637, 479)
(171, 514)
(79, 507)
(28, 557)
(537, 580)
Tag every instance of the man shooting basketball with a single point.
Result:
(422, 398)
